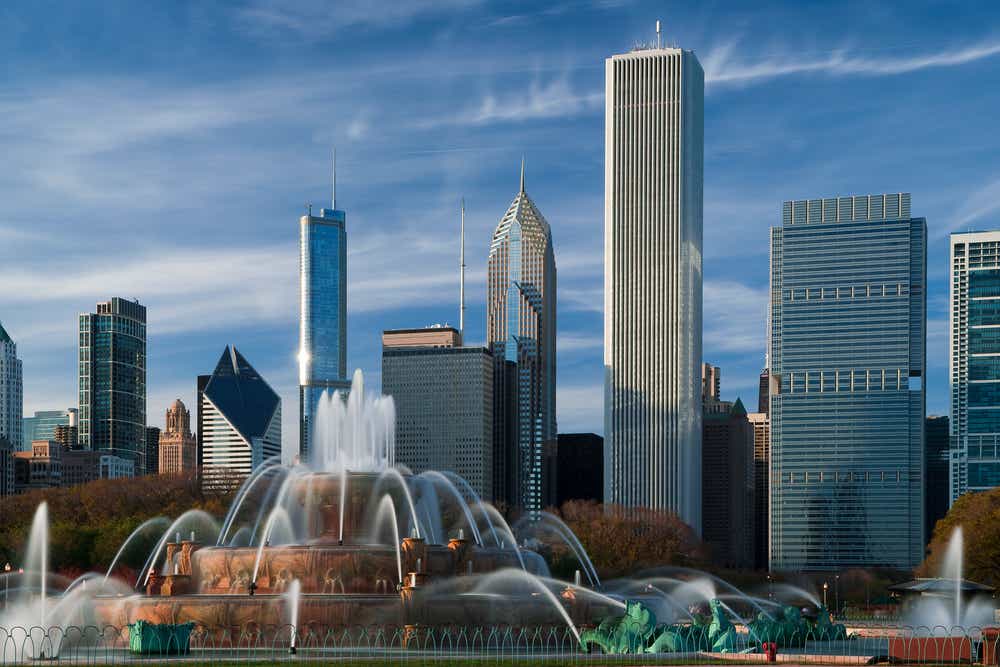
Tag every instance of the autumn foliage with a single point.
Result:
(979, 516)
(624, 541)
(88, 523)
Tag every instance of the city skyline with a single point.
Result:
(194, 303)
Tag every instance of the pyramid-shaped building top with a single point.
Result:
(242, 395)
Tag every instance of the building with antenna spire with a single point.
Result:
(443, 393)
(521, 334)
(322, 309)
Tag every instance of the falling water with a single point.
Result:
(951, 569)
(277, 520)
(435, 477)
(387, 509)
(270, 465)
(356, 434)
(37, 556)
(292, 597)
(189, 518)
(142, 528)
(529, 523)
(395, 475)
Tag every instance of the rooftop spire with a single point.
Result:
(522, 174)
(461, 288)
(334, 201)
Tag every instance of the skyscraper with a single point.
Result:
(761, 486)
(847, 358)
(239, 416)
(653, 156)
(151, 452)
(443, 394)
(521, 334)
(178, 448)
(42, 425)
(936, 458)
(728, 485)
(322, 310)
(113, 379)
(973, 366)
(11, 390)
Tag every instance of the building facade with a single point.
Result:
(974, 367)
(6, 467)
(178, 447)
(40, 468)
(322, 313)
(44, 424)
(150, 461)
(113, 379)
(761, 424)
(653, 147)
(727, 521)
(847, 359)
(11, 390)
(443, 393)
(521, 334)
(581, 468)
(937, 451)
(239, 415)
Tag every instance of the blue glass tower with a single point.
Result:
(974, 365)
(847, 353)
(322, 312)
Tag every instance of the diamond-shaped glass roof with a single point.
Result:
(241, 394)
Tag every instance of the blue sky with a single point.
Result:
(167, 152)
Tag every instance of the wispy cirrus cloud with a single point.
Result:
(555, 98)
(725, 66)
(317, 19)
(977, 205)
(734, 317)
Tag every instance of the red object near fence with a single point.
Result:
(771, 650)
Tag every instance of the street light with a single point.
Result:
(825, 587)
(836, 592)
(769, 593)
(6, 584)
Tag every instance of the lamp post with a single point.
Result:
(825, 587)
(769, 593)
(6, 584)
(836, 593)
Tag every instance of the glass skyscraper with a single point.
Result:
(521, 334)
(11, 391)
(847, 359)
(322, 313)
(974, 366)
(113, 379)
(42, 426)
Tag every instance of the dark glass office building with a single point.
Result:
(113, 379)
(847, 359)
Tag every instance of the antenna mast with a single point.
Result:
(334, 199)
(658, 33)
(461, 281)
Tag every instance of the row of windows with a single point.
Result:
(852, 292)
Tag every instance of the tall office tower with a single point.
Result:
(761, 423)
(239, 417)
(178, 448)
(443, 394)
(322, 310)
(653, 158)
(67, 436)
(764, 392)
(521, 334)
(727, 521)
(711, 383)
(7, 450)
(847, 358)
(113, 379)
(150, 464)
(43, 424)
(936, 458)
(974, 368)
(11, 390)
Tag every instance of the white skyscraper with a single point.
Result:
(11, 400)
(654, 144)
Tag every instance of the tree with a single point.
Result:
(979, 516)
(624, 541)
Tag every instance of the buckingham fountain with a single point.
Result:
(350, 539)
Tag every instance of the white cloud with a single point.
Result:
(316, 19)
(722, 65)
(580, 408)
(576, 342)
(975, 206)
(554, 99)
(734, 317)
